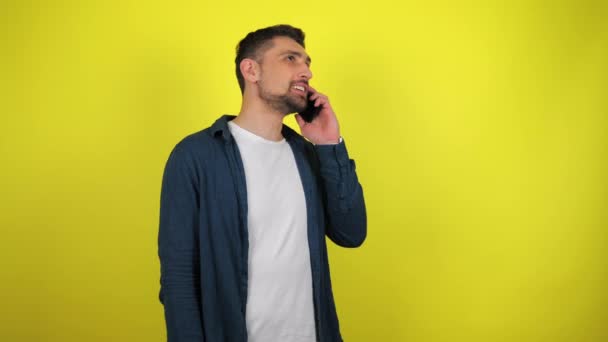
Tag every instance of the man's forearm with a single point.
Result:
(345, 204)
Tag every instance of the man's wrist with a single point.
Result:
(332, 143)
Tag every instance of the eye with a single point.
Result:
(291, 57)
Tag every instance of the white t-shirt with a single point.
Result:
(279, 301)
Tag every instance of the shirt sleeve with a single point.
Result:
(339, 141)
(178, 249)
(344, 202)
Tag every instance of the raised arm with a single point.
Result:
(344, 202)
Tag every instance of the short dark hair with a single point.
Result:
(255, 43)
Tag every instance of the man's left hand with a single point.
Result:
(324, 129)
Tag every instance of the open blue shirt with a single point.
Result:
(203, 242)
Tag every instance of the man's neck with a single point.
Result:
(261, 122)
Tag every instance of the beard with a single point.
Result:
(285, 104)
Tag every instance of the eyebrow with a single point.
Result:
(299, 54)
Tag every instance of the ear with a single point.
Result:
(250, 70)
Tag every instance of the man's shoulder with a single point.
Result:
(197, 140)
(198, 146)
(194, 143)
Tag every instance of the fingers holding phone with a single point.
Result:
(318, 121)
(311, 111)
(316, 103)
(319, 99)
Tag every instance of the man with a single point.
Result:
(246, 205)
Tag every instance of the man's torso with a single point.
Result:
(280, 302)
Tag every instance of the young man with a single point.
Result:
(246, 205)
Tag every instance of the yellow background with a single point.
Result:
(479, 128)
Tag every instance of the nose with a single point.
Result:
(305, 73)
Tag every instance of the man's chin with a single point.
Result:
(286, 104)
(297, 107)
(300, 109)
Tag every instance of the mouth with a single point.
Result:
(300, 88)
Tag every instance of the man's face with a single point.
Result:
(285, 71)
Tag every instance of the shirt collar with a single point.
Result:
(220, 129)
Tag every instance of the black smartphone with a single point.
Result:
(311, 112)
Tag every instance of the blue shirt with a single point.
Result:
(203, 243)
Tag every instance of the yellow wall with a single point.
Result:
(480, 132)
